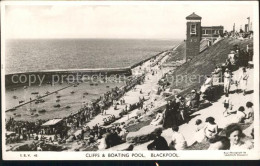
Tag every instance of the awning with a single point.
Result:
(10, 133)
(51, 122)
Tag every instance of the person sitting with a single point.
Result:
(158, 119)
(178, 141)
(102, 144)
(219, 143)
(240, 115)
(115, 138)
(123, 133)
(211, 128)
(159, 143)
(208, 83)
(249, 113)
(195, 98)
(199, 125)
(234, 133)
(199, 136)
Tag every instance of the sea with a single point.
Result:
(27, 55)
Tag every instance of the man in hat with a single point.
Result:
(227, 80)
(159, 143)
(195, 98)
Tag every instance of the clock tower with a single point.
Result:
(193, 35)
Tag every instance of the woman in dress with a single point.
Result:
(227, 80)
(169, 117)
(158, 119)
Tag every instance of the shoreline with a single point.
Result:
(126, 71)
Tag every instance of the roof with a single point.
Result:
(51, 122)
(193, 16)
(213, 27)
(9, 133)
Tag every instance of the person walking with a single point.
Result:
(227, 80)
(243, 78)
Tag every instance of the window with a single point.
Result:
(193, 29)
(203, 31)
(208, 32)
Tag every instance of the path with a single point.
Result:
(132, 96)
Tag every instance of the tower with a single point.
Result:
(193, 35)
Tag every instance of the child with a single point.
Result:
(227, 105)
(199, 125)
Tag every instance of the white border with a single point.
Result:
(194, 154)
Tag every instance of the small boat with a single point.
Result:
(72, 92)
(18, 115)
(85, 93)
(57, 106)
(15, 97)
(58, 96)
(58, 100)
(91, 84)
(67, 106)
(32, 110)
(96, 84)
(37, 102)
(41, 100)
(12, 109)
(21, 101)
(107, 86)
(42, 111)
(34, 115)
(35, 93)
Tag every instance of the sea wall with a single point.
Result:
(23, 79)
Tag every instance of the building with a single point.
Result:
(212, 32)
(195, 33)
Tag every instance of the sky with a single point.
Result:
(162, 21)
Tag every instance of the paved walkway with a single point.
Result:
(216, 110)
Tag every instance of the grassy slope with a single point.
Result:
(177, 54)
(204, 63)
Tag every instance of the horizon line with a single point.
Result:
(97, 38)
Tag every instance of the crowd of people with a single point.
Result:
(177, 112)
(239, 34)
(25, 130)
(231, 137)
